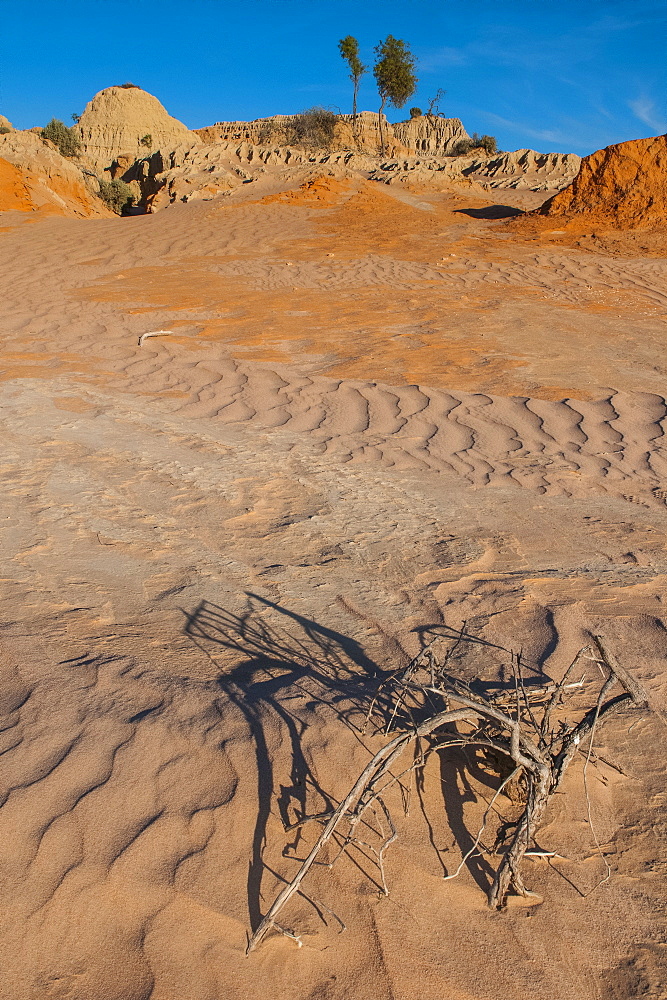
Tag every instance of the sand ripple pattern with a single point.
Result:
(615, 445)
(570, 279)
(564, 278)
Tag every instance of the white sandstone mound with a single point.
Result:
(127, 121)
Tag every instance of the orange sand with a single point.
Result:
(438, 298)
(14, 194)
(218, 542)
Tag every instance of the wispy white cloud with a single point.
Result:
(601, 110)
(645, 110)
(568, 134)
(543, 135)
(442, 58)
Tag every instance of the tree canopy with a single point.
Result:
(394, 74)
(349, 50)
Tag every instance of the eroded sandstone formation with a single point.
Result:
(624, 185)
(35, 177)
(127, 121)
(127, 134)
(430, 134)
(425, 134)
(201, 172)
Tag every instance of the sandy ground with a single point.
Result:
(377, 412)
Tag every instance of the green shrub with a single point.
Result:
(116, 195)
(64, 138)
(4, 130)
(128, 86)
(415, 112)
(489, 144)
(465, 146)
(146, 140)
(312, 129)
(462, 147)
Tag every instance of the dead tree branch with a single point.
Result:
(527, 727)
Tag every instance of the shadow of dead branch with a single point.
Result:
(278, 664)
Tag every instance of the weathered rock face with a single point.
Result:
(430, 134)
(14, 192)
(35, 177)
(624, 186)
(5, 124)
(363, 136)
(201, 172)
(523, 169)
(123, 121)
(434, 136)
(255, 131)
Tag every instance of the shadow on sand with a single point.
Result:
(491, 212)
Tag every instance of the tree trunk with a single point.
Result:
(509, 873)
(384, 101)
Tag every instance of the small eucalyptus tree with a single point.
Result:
(394, 74)
(349, 50)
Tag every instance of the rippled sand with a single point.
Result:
(375, 413)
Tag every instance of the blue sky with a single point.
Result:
(565, 75)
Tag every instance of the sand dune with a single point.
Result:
(218, 541)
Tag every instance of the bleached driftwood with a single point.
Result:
(154, 333)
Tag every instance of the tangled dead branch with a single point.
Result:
(527, 728)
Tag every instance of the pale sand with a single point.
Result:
(215, 542)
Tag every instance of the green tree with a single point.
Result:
(64, 138)
(349, 50)
(394, 74)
